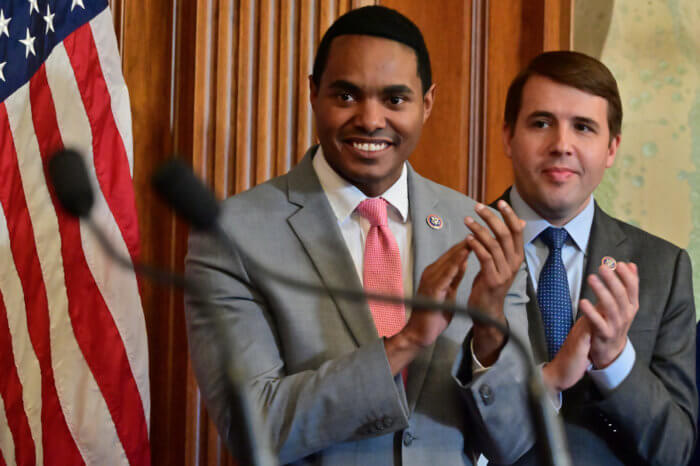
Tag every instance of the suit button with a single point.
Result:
(387, 421)
(408, 438)
(486, 394)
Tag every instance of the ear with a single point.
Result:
(313, 92)
(507, 139)
(612, 150)
(428, 100)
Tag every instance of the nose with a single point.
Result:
(370, 116)
(562, 141)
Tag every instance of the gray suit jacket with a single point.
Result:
(650, 418)
(315, 366)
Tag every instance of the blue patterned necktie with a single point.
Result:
(553, 292)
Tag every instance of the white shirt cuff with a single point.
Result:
(609, 378)
(555, 398)
(477, 367)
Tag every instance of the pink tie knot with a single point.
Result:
(373, 210)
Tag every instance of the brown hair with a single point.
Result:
(571, 69)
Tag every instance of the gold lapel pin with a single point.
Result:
(434, 222)
(609, 262)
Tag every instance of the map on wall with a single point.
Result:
(653, 49)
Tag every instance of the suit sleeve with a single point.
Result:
(656, 405)
(231, 328)
(497, 399)
(652, 412)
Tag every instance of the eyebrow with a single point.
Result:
(344, 85)
(341, 84)
(397, 89)
(578, 119)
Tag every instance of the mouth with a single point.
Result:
(367, 148)
(558, 174)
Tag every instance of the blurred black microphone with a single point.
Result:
(186, 194)
(201, 208)
(71, 182)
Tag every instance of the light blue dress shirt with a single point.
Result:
(573, 255)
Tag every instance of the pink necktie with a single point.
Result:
(382, 268)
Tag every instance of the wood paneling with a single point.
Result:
(518, 30)
(224, 83)
(441, 154)
(478, 75)
(146, 35)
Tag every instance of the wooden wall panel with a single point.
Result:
(528, 28)
(267, 71)
(441, 154)
(305, 51)
(148, 72)
(286, 103)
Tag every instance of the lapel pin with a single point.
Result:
(609, 262)
(434, 222)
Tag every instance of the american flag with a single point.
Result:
(73, 352)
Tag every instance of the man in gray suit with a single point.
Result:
(624, 378)
(330, 388)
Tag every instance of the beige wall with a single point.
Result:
(653, 49)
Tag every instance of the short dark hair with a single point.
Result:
(376, 21)
(571, 69)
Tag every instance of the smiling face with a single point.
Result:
(369, 110)
(560, 147)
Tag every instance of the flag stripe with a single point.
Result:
(118, 286)
(56, 437)
(20, 348)
(92, 321)
(85, 410)
(108, 53)
(111, 163)
(11, 393)
(7, 446)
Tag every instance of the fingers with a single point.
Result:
(449, 275)
(492, 253)
(611, 294)
(617, 292)
(451, 254)
(505, 246)
(596, 321)
(515, 224)
(441, 278)
(627, 271)
(457, 279)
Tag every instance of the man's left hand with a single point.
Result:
(499, 249)
(617, 292)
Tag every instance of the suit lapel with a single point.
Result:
(428, 244)
(606, 239)
(316, 227)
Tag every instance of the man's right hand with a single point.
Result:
(571, 362)
(440, 281)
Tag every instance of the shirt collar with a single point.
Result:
(344, 197)
(578, 228)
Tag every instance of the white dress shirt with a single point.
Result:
(344, 197)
